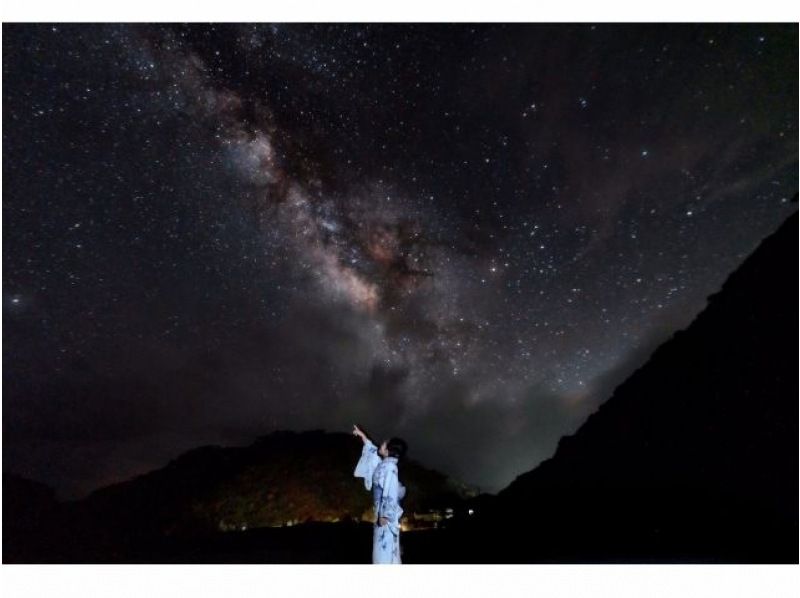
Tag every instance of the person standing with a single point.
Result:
(378, 467)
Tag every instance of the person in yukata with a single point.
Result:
(378, 467)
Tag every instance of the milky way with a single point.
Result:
(466, 235)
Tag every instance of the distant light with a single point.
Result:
(470, 511)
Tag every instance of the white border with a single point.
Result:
(493, 581)
(403, 11)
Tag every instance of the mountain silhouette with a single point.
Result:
(694, 457)
(283, 479)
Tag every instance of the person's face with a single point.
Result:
(383, 451)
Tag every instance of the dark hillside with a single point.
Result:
(694, 457)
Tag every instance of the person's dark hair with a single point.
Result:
(396, 447)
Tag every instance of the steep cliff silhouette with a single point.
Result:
(694, 457)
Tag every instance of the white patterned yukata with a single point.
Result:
(380, 475)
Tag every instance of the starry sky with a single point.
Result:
(463, 234)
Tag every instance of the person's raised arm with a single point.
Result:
(361, 434)
(369, 460)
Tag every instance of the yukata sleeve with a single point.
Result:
(389, 506)
(366, 465)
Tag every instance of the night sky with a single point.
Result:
(465, 235)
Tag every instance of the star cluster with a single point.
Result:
(466, 235)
